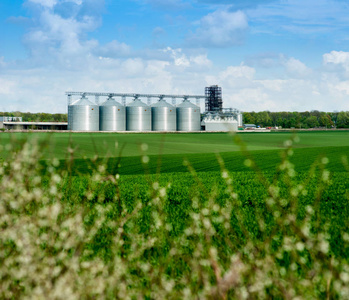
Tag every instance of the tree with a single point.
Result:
(249, 118)
(343, 119)
(263, 119)
(325, 120)
(312, 121)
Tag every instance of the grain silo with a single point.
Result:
(83, 115)
(138, 116)
(188, 117)
(112, 116)
(163, 116)
(240, 120)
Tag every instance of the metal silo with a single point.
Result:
(138, 116)
(240, 122)
(112, 116)
(163, 116)
(188, 117)
(83, 115)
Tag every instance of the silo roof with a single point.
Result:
(83, 102)
(187, 104)
(162, 103)
(136, 103)
(111, 102)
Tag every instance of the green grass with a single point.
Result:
(166, 152)
(103, 144)
(303, 159)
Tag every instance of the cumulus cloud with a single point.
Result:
(238, 72)
(238, 4)
(58, 40)
(296, 68)
(184, 61)
(292, 66)
(337, 58)
(337, 64)
(113, 49)
(248, 89)
(62, 58)
(221, 28)
(45, 3)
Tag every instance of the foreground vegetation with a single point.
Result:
(251, 234)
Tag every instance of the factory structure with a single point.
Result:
(84, 114)
(118, 112)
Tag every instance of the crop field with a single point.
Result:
(174, 216)
(167, 151)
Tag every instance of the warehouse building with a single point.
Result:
(16, 123)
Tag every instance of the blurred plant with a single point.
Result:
(51, 239)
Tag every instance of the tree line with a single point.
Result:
(307, 119)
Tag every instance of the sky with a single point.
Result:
(275, 55)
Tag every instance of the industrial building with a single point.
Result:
(86, 114)
(16, 123)
(213, 101)
(216, 117)
(136, 115)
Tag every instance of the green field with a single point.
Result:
(174, 216)
(167, 151)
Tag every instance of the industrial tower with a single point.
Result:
(214, 100)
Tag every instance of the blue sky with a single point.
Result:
(277, 55)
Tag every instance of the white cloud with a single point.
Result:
(295, 67)
(63, 58)
(336, 57)
(238, 72)
(45, 3)
(201, 60)
(114, 49)
(6, 86)
(220, 29)
(337, 64)
(275, 85)
(57, 38)
(244, 87)
(249, 89)
(189, 62)
(343, 87)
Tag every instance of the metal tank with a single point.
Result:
(138, 116)
(83, 115)
(112, 116)
(163, 116)
(188, 117)
(240, 122)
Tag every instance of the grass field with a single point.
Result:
(175, 216)
(167, 151)
(103, 144)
